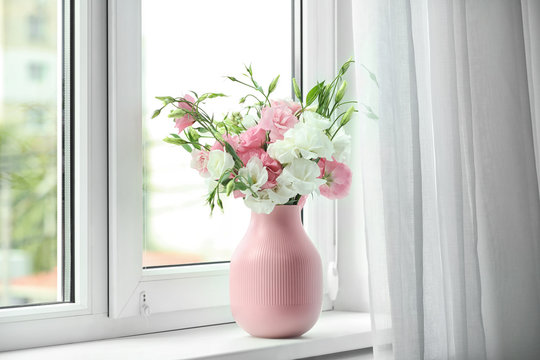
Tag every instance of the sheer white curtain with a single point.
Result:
(448, 175)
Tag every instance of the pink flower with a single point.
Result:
(186, 120)
(217, 146)
(232, 140)
(273, 167)
(238, 194)
(199, 161)
(253, 138)
(338, 178)
(277, 119)
(294, 107)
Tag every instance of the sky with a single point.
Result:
(192, 45)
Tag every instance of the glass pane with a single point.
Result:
(192, 45)
(31, 165)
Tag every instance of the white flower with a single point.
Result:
(281, 193)
(310, 142)
(314, 120)
(301, 175)
(342, 146)
(255, 173)
(249, 121)
(283, 151)
(302, 141)
(262, 204)
(218, 163)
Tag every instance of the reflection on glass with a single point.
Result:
(28, 152)
(191, 45)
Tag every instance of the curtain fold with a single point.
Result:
(531, 29)
(457, 219)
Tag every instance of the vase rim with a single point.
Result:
(280, 209)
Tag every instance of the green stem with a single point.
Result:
(336, 119)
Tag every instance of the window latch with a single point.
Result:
(144, 307)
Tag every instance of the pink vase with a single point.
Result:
(276, 276)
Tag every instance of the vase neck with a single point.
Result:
(282, 216)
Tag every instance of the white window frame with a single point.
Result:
(338, 231)
(24, 326)
(173, 288)
(87, 172)
(108, 246)
(166, 289)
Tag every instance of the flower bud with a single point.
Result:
(347, 117)
(341, 92)
(273, 85)
(297, 91)
(230, 187)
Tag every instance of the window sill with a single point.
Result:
(336, 331)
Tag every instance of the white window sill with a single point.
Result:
(336, 331)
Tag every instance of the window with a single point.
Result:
(176, 228)
(36, 27)
(110, 216)
(36, 71)
(35, 116)
(34, 168)
(177, 225)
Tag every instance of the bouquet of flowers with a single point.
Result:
(272, 152)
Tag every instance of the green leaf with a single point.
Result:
(231, 151)
(297, 91)
(210, 96)
(166, 99)
(175, 141)
(232, 78)
(224, 178)
(193, 134)
(187, 147)
(156, 113)
(240, 186)
(323, 103)
(273, 85)
(193, 137)
(177, 113)
(312, 94)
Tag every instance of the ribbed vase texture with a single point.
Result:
(276, 276)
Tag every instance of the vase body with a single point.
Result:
(276, 276)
